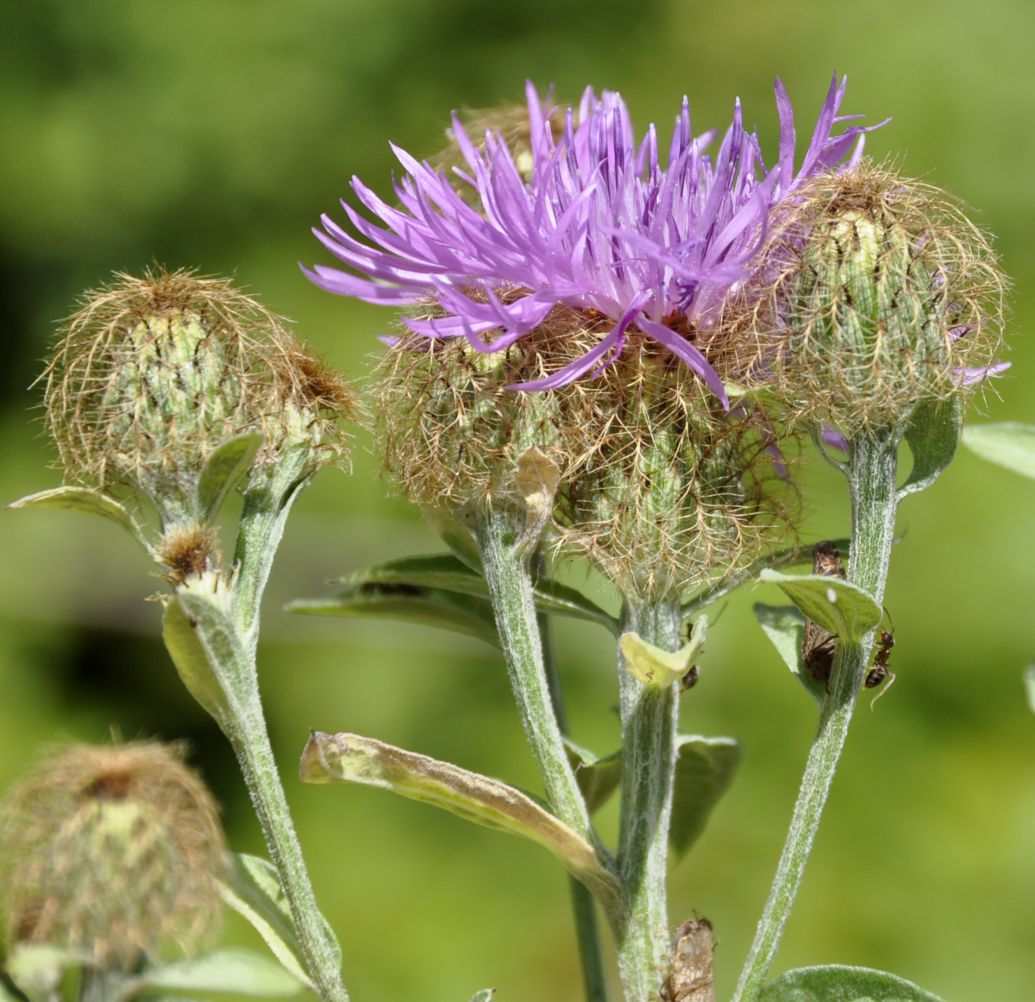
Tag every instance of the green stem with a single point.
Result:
(587, 929)
(508, 575)
(871, 470)
(251, 744)
(649, 719)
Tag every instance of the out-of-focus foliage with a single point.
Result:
(213, 135)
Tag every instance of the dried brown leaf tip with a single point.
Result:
(152, 374)
(879, 292)
(114, 852)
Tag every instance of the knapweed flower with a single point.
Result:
(880, 294)
(112, 852)
(152, 375)
(590, 220)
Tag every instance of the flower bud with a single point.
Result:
(451, 428)
(883, 295)
(673, 489)
(152, 375)
(111, 852)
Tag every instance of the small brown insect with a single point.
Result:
(880, 670)
(818, 646)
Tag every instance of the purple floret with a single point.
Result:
(599, 224)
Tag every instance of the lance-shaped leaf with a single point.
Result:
(89, 501)
(933, 433)
(657, 668)
(254, 891)
(784, 625)
(837, 983)
(843, 609)
(1009, 444)
(446, 610)
(351, 758)
(455, 534)
(791, 556)
(704, 771)
(223, 471)
(445, 572)
(597, 777)
(239, 971)
(204, 645)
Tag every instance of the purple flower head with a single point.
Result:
(601, 223)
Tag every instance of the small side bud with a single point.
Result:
(114, 853)
(883, 294)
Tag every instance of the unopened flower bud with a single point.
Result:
(450, 427)
(884, 295)
(673, 488)
(153, 375)
(111, 852)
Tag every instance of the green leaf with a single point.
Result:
(933, 433)
(1029, 685)
(485, 995)
(255, 893)
(455, 534)
(8, 993)
(447, 610)
(839, 607)
(223, 471)
(239, 971)
(784, 625)
(204, 645)
(446, 572)
(351, 758)
(657, 668)
(38, 969)
(791, 556)
(1009, 444)
(85, 499)
(704, 771)
(439, 590)
(837, 983)
(597, 777)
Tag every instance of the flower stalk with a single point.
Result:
(649, 718)
(871, 471)
(211, 632)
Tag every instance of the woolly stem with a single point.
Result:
(587, 930)
(649, 719)
(212, 635)
(508, 575)
(871, 470)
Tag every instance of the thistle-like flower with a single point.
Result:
(153, 376)
(880, 295)
(590, 221)
(111, 852)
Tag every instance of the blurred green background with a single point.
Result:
(213, 134)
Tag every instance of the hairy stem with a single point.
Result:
(587, 929)
(649, 718)
(871, 470)
(508, 575)
(250, 741)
